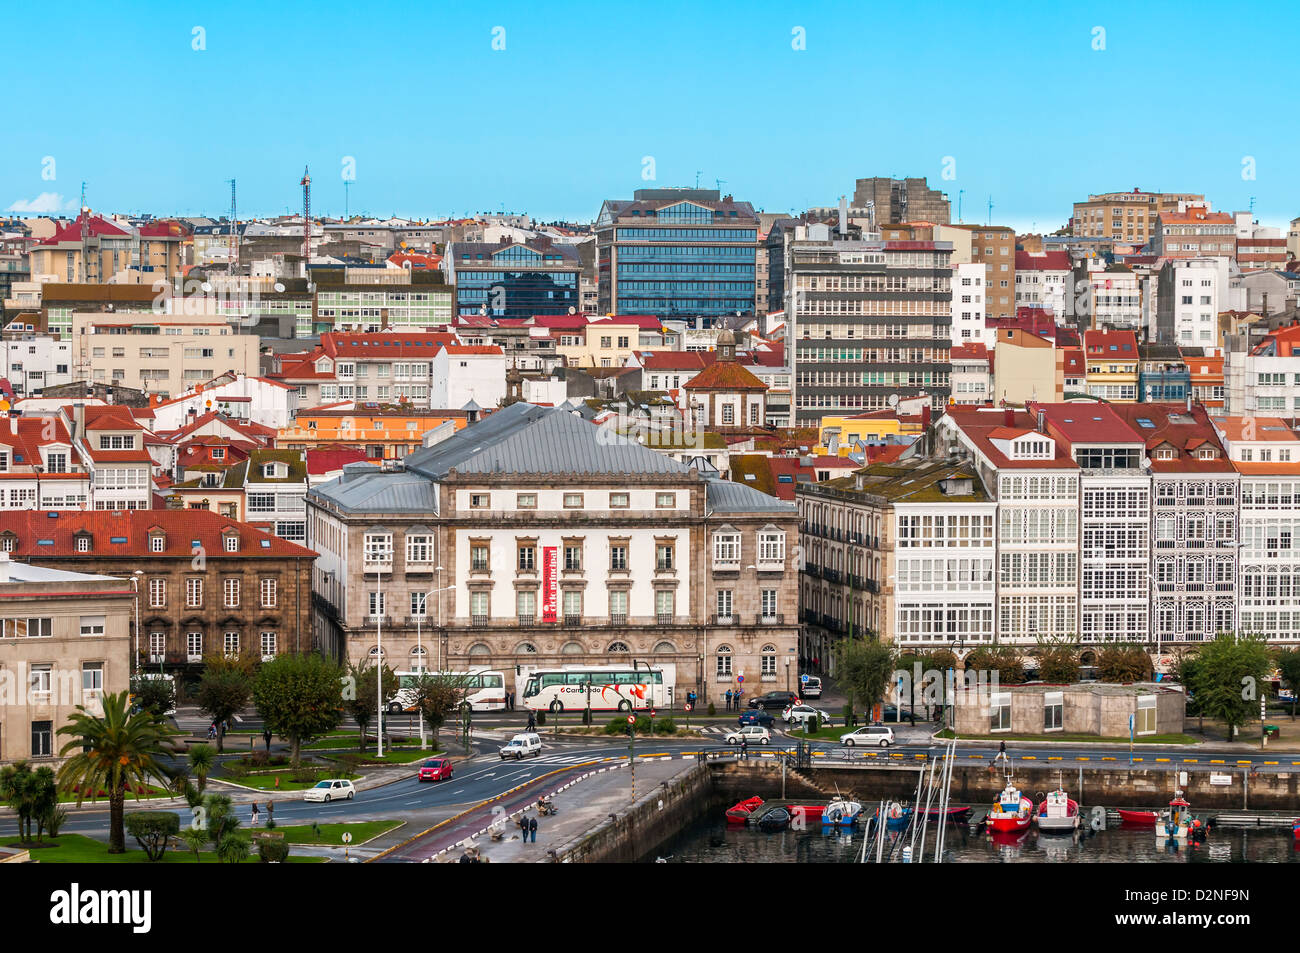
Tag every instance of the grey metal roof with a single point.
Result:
(380, 492)
(527, 439)
(728, 497)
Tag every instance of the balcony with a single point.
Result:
(376, 618)
(773, 618)
(872, 586)
(729, 619)
(726, 565)
(770, 565)
(618, 618)
(478, 620)
(663, 618)
(831, 575)
(526, 621)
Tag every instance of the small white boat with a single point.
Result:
(1058, 813)
(1177, 823)
(841, 812)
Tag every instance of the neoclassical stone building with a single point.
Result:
(534, 538)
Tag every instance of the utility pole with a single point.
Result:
(233, 258)
(960, 193)
(990, 221)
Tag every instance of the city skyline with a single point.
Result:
(978, 110)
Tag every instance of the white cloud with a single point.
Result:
(43, 204)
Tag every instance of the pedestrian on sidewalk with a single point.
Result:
(270, 810)
(1002, 753)
(744, 749)
(266, 736)
(532, 829)
(728, 697)
(254, 813)
(532, 720)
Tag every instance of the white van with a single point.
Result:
(527, 745)
(811, 688)
(874, 735)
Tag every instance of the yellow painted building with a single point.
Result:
(874, 427)
(1111, 358)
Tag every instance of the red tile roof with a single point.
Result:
(131, 528)
(980, 423)
(327, 460)
(970, 352)
(1043, 261)
(1180, 429)
(725, 376)
(95, 226)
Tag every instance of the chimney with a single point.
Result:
(78, 421)
(844, 216)
(13, 423)
(4, 567)
(1008, 416)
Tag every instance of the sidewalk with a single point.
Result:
(581, 803)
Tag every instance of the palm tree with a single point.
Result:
(201, 760)
(116, 751)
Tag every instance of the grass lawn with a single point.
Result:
(77, 849)
(351, 741)
(1173, 739)
(266, 782)
(70, 797)
(332, 834)
(399, 756)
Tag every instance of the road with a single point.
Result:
(486, 776)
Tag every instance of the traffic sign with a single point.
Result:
(631, 719)
(740, 678)
(653, 712)
(803, 679)
(689, 706)
(347, 837)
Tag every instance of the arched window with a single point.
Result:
(480, 648)
(724, 661)
(572, 648)
(769, 660)
(419, 658)
(525, 648)
(618, 647)
(377, 653)
(665, 648)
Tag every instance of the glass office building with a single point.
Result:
(515, 280)
(677, 253)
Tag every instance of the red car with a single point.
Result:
(436, 769)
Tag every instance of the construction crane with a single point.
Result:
(306, 221)
(719, 183)
(233, 259)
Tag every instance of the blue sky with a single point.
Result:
(440, 123)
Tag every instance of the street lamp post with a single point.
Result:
(379, 659)
(787, 673)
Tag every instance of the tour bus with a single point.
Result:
(484, 690)
(610, 687)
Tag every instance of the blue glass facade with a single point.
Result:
(677, 259)
(514, 282)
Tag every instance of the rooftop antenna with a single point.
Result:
(306, 221)
(990, 221)
(233, 259)
(346, 184)
(960, 193)
(720, 183)
(698, 173)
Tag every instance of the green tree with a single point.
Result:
(865, 667)
(1000, 658)
(1122, 663)
(195, 840)
(201, 758)
(156, 695)
(153, 830)
(437, 695)
(361, 701)
(30, 794)
(1288, 663)
(300, 697)
(224, 691)
(1227, 679)
(1057, 661)
(116, 752)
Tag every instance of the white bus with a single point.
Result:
(610, 687)
(485, 690)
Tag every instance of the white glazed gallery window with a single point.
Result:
(771, 549)
(726, 550)
(419, 550)
(379, 550)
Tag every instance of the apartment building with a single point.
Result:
(994, 247)
(93, 250)
(533, 538)
(972, 380)
(206, 584)
(274, 487)
(40, 465)
(382, 434)
(65, 641)
(902, 200)
(676, 252)
(866, 321)
(968, 308)
(1045, 281)
(1035, 482)
(1109, 298)
(1112, 358)
(1265, 378)
(33, 362)
(1129, 217)
(1025, 367)
(514, 279)
(1194, 232)
(373, 299)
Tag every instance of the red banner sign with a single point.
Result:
(550, 561)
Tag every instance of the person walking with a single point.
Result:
(270, 812)
(254, 813)
(266, 736)
(1002, 753)
(744, 749)
(532, 829)
(532, 720)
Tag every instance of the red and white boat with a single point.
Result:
(1011, 812)
(739, 813)
(1138, 818)
(1058, 813)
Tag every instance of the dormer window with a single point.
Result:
(83, 544)
(274, 471)
(231, 542)
(218, 453)
(1166, 453)
(157, 542)
(1208, 453)
(1032, 448)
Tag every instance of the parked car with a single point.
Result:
(334, 789)
(774, 700)
(881, 736)
(526, 745)
(803, 713)
(891, 712)
(811, 688)
(756, 716)
(436, 769)
(750, 734)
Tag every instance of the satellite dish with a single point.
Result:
(893, 400)
(206, 287)
(572, 310)
(279, 286)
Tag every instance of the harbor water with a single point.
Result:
(711, 840)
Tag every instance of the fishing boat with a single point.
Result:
(806, 814)
(1138, 818)
(739, 813)
(777, 819)
(958, 815)
(897, 816)
(1178, 824)
(1058, 814)
(841, 812)
(1011, 812)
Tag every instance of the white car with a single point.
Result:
(335, 789)
(873, 735)
(803, 713)
(750, 734)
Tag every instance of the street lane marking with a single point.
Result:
(1081, 758)
(1104, 758)
(1217, 761)
(1162, 759)
(1053, 757)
